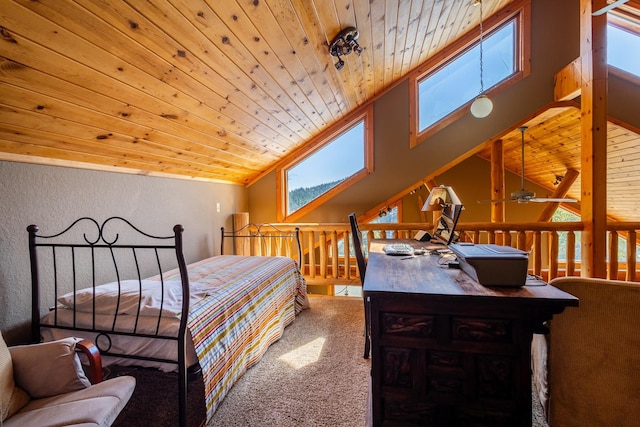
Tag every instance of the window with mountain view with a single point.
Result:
(390, 215)
(342, 158)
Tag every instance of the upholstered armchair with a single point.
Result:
(587, 369)
(45, 385)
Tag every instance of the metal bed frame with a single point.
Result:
(88, 253)
(264, 240)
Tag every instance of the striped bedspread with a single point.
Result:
(252, 300)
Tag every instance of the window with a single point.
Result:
(340, 157)
(443, 92)
(388, 215)
(563, 215)
(620, 42)
(445, 89)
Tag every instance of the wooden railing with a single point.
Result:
(325, 262)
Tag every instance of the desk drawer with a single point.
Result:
(408, 325)
(481, 330)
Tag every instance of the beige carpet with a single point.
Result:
(314, 375)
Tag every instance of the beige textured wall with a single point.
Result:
(53, 197)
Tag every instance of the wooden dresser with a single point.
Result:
(447, 351)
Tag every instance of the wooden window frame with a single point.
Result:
(522, 18)
(365, 115)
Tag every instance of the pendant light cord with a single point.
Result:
(522, 129)
(481, 58)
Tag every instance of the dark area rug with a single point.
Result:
(155, 399)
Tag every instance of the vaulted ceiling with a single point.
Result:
(223, 90)
(209, 89)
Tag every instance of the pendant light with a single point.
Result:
(482, 105)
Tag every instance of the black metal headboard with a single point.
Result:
(87, 254)
(264, 240)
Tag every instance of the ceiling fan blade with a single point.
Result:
(608, 7)
(552, 199)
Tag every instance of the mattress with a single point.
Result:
(239, 305)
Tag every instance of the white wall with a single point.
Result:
(53, 197)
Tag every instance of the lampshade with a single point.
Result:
(481, 107)
(439, 197)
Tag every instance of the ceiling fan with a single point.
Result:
(524, 196)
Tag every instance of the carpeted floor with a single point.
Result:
(314, 375)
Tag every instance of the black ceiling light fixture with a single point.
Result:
(343, 44)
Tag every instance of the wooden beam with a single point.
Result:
(497, 181)
(568, 81)
(561, 191)
(593, 51)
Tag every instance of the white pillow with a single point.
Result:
(146, 293)
(48, 369)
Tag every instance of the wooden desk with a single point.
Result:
(447, 351)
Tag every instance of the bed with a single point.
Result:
(123, 289)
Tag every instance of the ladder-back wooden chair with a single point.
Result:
(362, 267)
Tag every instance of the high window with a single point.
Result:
(623, 37)
(445, 90)
(339, 158)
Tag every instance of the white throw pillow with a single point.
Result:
(49, 368)
(106, 298)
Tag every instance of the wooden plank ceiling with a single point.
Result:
(223, 90)
(201, 88)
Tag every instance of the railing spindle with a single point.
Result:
(347, 254)
(631, 255)
(334, 254)
(537, 253)
(613, 255)
(323, 254)
(312, 254)
(553, 255)
(571, 253)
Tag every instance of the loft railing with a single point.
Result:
(553, 246)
